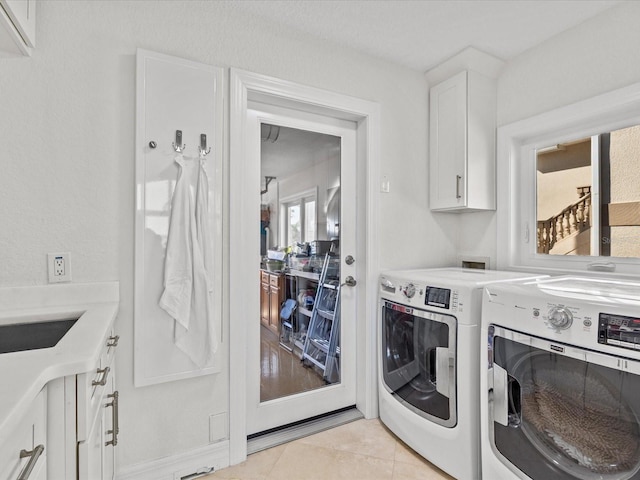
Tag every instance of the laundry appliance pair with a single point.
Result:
(429, 355)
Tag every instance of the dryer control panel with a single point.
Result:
(619, 330)
(421, 294)
(439, 297)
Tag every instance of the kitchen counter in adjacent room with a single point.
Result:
(23, 374)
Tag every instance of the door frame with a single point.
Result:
(246, 85)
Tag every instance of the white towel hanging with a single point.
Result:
(188, 281)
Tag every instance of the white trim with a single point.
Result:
(594, 239)
(367, 115)
(177, 466)
(516, 141)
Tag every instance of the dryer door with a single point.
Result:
(561, 412)
(418, 361)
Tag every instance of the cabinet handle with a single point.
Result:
(103, 381)
(114, 419)
(28, 468)
(458, 178)
(113, 341)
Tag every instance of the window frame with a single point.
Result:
(300, 198)
(516, 178)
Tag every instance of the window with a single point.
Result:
(569, 187)
(588, 196)
(299, 218)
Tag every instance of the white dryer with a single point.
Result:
(428, 363)
(560, 380)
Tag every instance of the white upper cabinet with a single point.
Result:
(462, 127)
(17, 27)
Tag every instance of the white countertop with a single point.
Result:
(24, 374)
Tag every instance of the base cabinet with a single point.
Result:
(84, 428)
(271, 298)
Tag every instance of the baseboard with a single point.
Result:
(182, 465)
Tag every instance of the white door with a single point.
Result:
(284, 410)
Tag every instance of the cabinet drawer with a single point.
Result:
(31, 433)
(274, 280)
(111, 345)
(91, 386)
(264, 277)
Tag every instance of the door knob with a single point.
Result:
(349, 282)
(349, 260)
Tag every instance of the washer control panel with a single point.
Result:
(559, 318)
(575, 320)
(619, 331)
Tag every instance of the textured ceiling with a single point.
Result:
(420, 34)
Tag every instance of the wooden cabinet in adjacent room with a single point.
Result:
(271, 298)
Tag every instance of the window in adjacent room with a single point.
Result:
(299, 219)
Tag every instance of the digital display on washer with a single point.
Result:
(619, 331)
(437, 297)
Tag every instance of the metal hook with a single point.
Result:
(177, 145)
(203, 145)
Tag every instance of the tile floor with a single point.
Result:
(360, 450)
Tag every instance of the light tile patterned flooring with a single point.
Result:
(360, 450)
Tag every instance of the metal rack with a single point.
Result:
(322, 345)
(294, 329)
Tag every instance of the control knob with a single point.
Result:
(410, 290)
(560, 318)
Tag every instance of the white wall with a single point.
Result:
(594, 57)
(67, 179)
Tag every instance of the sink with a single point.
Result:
(17, 337)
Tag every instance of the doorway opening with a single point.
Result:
(300, 268)
(302, 354)
(357, 122)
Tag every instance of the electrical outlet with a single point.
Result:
(59, 266)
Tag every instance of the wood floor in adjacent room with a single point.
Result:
(360, 450)
(281, 371)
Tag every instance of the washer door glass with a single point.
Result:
(567, 417)
(419, 361)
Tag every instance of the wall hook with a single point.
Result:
(177, 145)
(203, 145)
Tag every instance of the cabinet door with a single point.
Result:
(274, 307)
(90, 452)
(448, 143)
(110, 427)
(265, 311)
(30, 433)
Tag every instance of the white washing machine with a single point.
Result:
(560, 380)
(429, 345)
